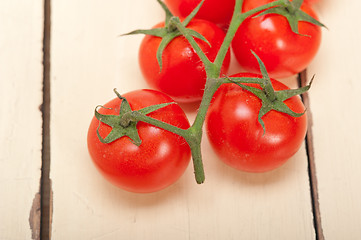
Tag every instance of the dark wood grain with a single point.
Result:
(46, 200)
(303, 80)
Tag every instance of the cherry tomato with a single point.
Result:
(183, 75)
(159, 161)
(237, 136)
(219, 12)
(283, 52)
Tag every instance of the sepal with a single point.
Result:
(125, 123)
(170, 31)
(271, 99)
(293, 13)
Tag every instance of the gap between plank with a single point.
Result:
(303, 81)
(46, 190)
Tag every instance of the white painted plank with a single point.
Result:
(88, 60)
(21, 38)
(336, 104)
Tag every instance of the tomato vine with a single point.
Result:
(124, 124)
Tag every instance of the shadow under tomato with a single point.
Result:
(118, 196)
(266, 178)
(220, 170)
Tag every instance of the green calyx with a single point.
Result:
(271, 99)
(170, 30)
(292, 11)
(124, 124)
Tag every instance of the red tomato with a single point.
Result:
(219, 12)
(311, 1)
(183, 75)
(283, 52)
(158, 162)
(238, 138)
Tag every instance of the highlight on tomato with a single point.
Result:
(237, 136)
(182, 75)
(270, 36)
(160, 159)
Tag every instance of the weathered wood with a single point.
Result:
(88, 60)
(21, 76)
(336, 102)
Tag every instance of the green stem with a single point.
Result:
(240, 80)
(155, 122)
(196, 130)
(233, 26)
(211, 87)
(270, 92)
(197, 162)
(207, 63)
(192, 136)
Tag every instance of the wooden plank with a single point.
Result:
(21, 27)
(88, 61)
(336, 102)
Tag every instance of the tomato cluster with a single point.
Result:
(284, 52)
(142, 148)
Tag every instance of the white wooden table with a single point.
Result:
(46, 109)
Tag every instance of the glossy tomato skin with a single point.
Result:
(238, 138)
(158, 162)
(283, 52)
(216, 11)
(183, 75)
